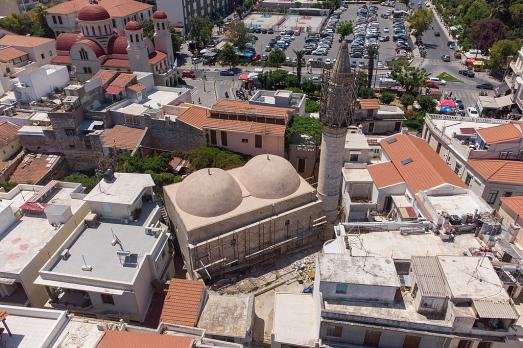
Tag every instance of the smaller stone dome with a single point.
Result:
(269, 177)
(208, 192)
(117, 44)
(93, 12)
(132, 25)
(159, 14)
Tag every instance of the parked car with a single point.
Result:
(472, 112)
(188, 73)
(226, 72)
(487, 85)
(438, 81)
(436, 33)
(445, 58)
(457, 55)
(467, 73)
(256, 57)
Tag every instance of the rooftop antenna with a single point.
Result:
(116, 240)
(85, 266)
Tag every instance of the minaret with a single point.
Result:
(162, 35)
(137, 51)
(338, 99)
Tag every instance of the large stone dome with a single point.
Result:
(92, 13)
(208, 192)
(269, 177)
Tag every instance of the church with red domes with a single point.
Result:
(100, 46)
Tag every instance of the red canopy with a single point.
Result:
(447, 102)
(244, 76)
(470, 60)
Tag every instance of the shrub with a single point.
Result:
(387, 97)
(427, 103)
(407, 99)
(312, 106)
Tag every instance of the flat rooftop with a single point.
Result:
(356, 141)
(460, 204)
(356, 175)
(24, 239)
(125, 189)
(343, 268)
(399, 247)
(294, 322)
(451, 126)
(470, 277)
(227, 315)
(157, 98)
(95, 245)
(81, 332)
(31, 327)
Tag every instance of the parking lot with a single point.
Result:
(387, 50)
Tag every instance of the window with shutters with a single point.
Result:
(372, 338)
(213, 137)
(257, 141)
(223, 138)
(334, 331)
(411, 341)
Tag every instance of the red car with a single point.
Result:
(188, 73)
(256, 57)
(431, 84)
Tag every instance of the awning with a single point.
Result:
(447, 102)
(7, 281)
(504, 101)
(73, 286)
(470, 60)
(492, 309)
(243, 76)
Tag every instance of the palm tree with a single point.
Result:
(373, 53)
(299, 62)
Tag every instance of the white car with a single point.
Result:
(385, 30)
(472, 112)
(438, 81)
(327, 61)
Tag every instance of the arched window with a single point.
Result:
(92, 28)
(158, 26)
(137, 39)
(83, 54)
(163, 26)
(131, 36)
(99, 30)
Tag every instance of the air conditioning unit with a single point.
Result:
(65, 254)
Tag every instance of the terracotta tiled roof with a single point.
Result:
(116, 8)
(501, 171)
(384, 174)
(122, 137)
(7, 133)
(245, 126)
(10, 53)
(34, 168)
(501, 133)
(61, 60)
(137, 87)
(133, 339)
(194, 116)
(156, 57)
(418, 164)
(514, 203)
(116, 63)
(182, 304)
(23, 41)
(107, 76)
(120, 83)
(244, 107)
(369, 104)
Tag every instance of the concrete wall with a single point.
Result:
(308, 153)
(358, 292)
(174, 11)
(69, 23)
(10, 149)
(245, 143)
(40, 82)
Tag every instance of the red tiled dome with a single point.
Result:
(94, 46)
(132, 25)
(93, 12)
(159, 14)
(64, 41)
(117, 45)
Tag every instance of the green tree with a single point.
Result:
(500, 52)
(427, 103)
(409, 77)
(299, 64)
(373, 54)
(387, 97)
(292, 81)
(407, 99)
(479, 9)
(176, 39)
(516, 12)
(38, 15)
(220, 23)
(302, 125)
(200, 30)
(228, 56)
(213, 157)
(420, 21)
(308, 86)
(312, 106)
(485, 32)
(363, 91)
(344, 29)
(278, 78)
(89, 182)
(238, 34)
(276, 57)
(148, 29)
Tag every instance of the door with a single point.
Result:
(411, 342)
(372, 338)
